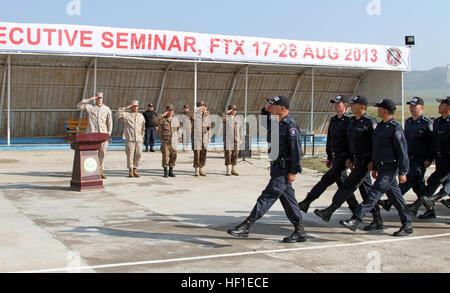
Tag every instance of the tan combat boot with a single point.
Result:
(228, 170)
(196, 172)
(233, 171)
(201, 173)
(102, 175)
(135, 173)
(130, 173)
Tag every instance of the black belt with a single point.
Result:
(417, 157)
(335, 155)
(280, 161)
(356, 156)
(382, 163)
(441, 154)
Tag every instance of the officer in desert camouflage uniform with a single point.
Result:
(169, 132)
(133, 134)
(100, 121)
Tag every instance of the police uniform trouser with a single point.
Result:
(231, 156)
(200, 158)
(133, 150)
(386, 183)
(278, 187)
(336, 174)
(415, 177)
(149, 138)
(102, 154)
(359, 177)
(169, 155)
(439, 176)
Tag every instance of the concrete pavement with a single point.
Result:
(154, 224)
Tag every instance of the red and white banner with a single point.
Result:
(56, 38)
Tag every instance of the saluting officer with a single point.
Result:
(440, 155)
(232, 129)
(282, 172)
(390, 158)
(133, 134)
(100, 120)
(169, 133)
(419, 134)
(360, 133)
(337, 154)
(201, 128)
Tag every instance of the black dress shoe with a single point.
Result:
(323, 214)
(304, 206)
(166, 173)
(404, 230)
(299, 235)
(242, 229)
(171, 174)
(375, 225)
(414, 207)
(152, 150)
(429, 214)
(351, 223)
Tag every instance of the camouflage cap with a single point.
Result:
(201, 103)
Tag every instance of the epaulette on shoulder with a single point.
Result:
(425, 118)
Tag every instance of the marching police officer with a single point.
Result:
(445, 191)
(359, 132)
(440, 154)
(390, 158)
(337, 154)
(282, 172)
(419, 134)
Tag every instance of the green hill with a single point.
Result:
(426, 84)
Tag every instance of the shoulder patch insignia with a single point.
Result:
(399, 134)
(293, 131)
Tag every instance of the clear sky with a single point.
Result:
(319, 20)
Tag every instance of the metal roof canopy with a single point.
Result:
(37, 81)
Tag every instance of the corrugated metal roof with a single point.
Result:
(42, 83)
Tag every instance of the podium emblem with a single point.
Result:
(90, 165)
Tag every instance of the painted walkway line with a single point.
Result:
(185, 259)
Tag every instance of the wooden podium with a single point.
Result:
(86, 172)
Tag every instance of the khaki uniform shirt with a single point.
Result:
(232, 122)
(203, 122)
(168, 130)
(133, 125)
(100, 118)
